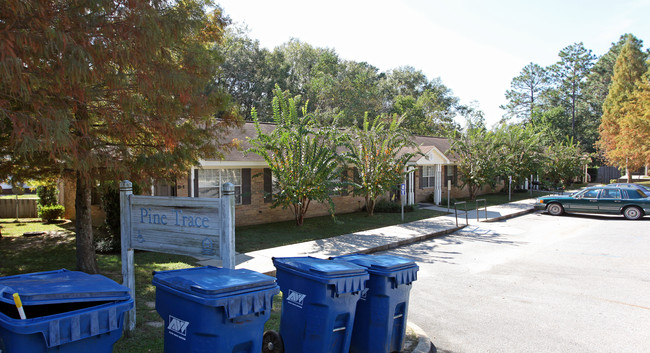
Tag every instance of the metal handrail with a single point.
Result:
(456, 212)
(484, 206)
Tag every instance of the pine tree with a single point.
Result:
(570, 75)
(614, 137)
(526, 89)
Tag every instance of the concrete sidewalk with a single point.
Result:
(379, 239)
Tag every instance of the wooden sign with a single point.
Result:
(200, 227)
(176, 225)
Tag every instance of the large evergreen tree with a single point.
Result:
(635, 125)
(105, 89)
(570, 75)
(628, 70)
(525, 91)
(600, 77)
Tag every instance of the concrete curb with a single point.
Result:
(512, 215)
(424, 342)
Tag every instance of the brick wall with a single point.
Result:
(259, 212)
(182, 187)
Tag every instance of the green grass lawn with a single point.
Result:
(12, 228)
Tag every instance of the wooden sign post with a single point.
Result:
(201, 227)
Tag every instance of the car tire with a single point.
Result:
(555, 209)
(632, 213)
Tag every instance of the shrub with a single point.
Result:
(47, 195)
(383, 206)
(51, 213)
(110, 200)
(443, 202)
(430, 198)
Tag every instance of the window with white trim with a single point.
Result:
(428, 176)
(210, 181)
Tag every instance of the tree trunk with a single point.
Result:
(86, 261)
(472, 191)
(300, 210)
(627, 171)
(573, 111)
(370, 206)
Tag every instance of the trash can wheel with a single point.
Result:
(272, 342)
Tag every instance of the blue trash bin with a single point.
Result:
(318, 303)
(380, 323)
(66, 311)
(212, 309)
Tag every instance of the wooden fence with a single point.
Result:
(26, 208)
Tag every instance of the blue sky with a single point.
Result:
(475, 47)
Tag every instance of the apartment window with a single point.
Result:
(428, 178)
(210, 181)
(270, 185)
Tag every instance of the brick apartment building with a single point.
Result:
(433, 172)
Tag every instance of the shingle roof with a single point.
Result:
(240, 135)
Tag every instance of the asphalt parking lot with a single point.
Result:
(536, 283)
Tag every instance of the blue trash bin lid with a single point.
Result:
(60, 286)
(213, 281)
(403, 270)
(321, 267)
(378, 262)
